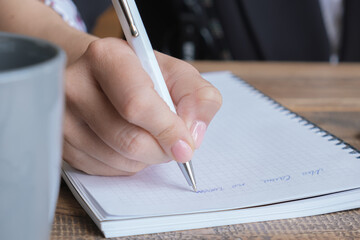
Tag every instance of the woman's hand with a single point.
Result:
(117, 124)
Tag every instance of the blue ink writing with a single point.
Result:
(218, 189)
(313, 172)
(277, 179)
(238, 185)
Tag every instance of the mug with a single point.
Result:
(31, 111)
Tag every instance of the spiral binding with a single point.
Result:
(303, 121)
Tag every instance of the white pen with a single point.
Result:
(138, 39)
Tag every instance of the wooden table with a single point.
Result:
(328, 95)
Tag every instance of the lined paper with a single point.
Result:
(255, 152)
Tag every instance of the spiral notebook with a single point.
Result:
(259, 161)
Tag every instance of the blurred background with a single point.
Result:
(260, 30)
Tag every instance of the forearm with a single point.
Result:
(33, 18)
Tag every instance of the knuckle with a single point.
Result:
(210, 94)
(107, 46)
(133, 108)
(95, 55)
(130, 142)
(97, 47)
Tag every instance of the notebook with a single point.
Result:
(259, 161)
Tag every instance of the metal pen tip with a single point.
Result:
(192, 181)
(186, 169)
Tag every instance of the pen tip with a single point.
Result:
(194, 188)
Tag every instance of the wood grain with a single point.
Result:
(328, 95)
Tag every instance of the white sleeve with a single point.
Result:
(68, 11)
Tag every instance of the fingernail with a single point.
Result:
(182, 151)
(198, 130)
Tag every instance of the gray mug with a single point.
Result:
(31, 111)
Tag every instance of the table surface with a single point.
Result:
(328, 95)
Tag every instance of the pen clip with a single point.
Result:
(129, 18)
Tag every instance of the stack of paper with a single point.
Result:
(259, 161)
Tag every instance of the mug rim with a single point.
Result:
(40, 66)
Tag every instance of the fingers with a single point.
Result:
(87, 164)
(110, 136)
(131, 92)
(117, 124)
(197, 101)
(88, 153)
(84, 139)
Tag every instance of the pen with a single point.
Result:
(138, 40)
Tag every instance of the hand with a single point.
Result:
(116, 123)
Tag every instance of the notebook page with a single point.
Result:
(253, 153)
